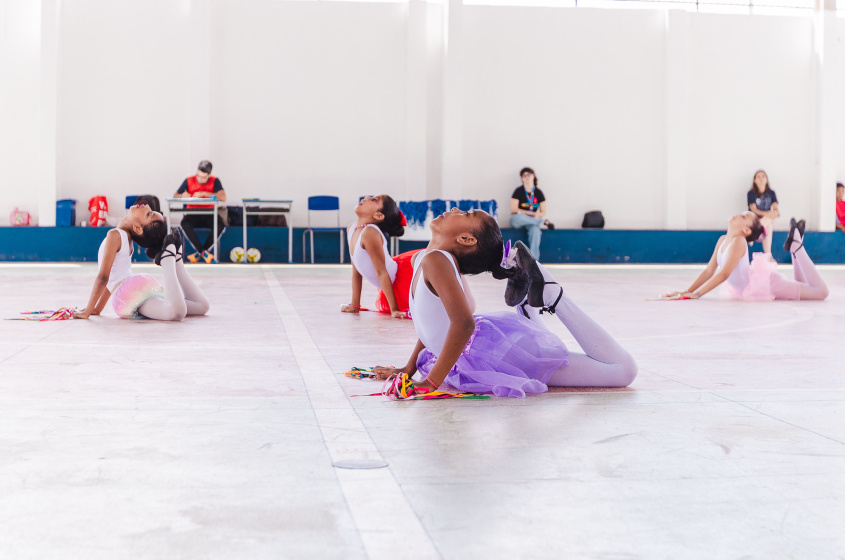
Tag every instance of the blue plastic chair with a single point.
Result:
(322, 204)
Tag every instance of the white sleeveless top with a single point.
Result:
(361, 259)
(121, 268)
(430, 318)
(739, 277)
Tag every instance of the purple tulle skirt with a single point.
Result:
(507, 355)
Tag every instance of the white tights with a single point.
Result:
(182, 296)
(808, 283)
(604, 362)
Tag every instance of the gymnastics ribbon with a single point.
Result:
(361, 373)
(401, 388)
(61, 314)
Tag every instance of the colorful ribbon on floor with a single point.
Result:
(678, 297)
(401, 388)
(360, 373)
(61, 314)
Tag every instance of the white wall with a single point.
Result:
(750, 107)
(20, 147)
(575, 94)
(124, 99)
(308, 98)
(659, 119)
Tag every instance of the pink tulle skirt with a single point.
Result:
(760, 280)
(507, 355)
(133, 292)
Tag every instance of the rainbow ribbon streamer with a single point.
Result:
(401, 388)
(360, 373)
(61, 314)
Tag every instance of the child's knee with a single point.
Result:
(627, 371)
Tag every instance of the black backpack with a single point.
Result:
(593, 219)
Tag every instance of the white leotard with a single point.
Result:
(739, 277)
(361, 259)
(121, 268)
(430, 317)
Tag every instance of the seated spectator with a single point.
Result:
(202, 185)
(763, 201)
(840, 206)
(528, 210)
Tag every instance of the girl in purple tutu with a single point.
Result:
(759, 280)
(507, 354)
(136, 296)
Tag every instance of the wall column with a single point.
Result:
(199, 73)
(453, 47)
(824, 67)
(676, 115)
(48, 96)
(416, 102)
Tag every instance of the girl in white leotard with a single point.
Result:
(507, 354)
(378, 216)
(140, 295)
(758, 280)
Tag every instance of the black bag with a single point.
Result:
(272, 220)
(593, 219)
(236, 215)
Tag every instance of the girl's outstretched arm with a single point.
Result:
(371, 242)
(705, 275)
(355, 305)
(99, 294)
(735, 253)
(440, 276)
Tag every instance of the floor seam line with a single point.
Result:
(369, 494)
(780, 420)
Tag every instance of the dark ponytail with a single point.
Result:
(757, 231)
(391, 225)
(152, 237)
(487, 254)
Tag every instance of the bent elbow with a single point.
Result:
(468, 326)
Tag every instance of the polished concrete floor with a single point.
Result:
(216, 437)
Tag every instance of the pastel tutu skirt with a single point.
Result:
(762, 275)
(133, 292)
(507, 355)
(401, 284)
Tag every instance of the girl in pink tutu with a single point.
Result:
(758, 280)
(140, 295)
(507, 354)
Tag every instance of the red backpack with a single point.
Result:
(99, 208)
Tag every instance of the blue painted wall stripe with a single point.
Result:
(78, 244)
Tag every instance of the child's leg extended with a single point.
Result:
(195, 301)
(173, 306)
(808, 284)
(604, 362)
